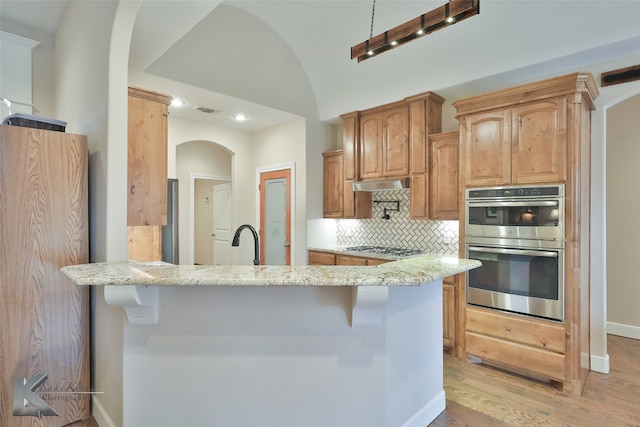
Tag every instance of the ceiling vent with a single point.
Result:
(206, 109)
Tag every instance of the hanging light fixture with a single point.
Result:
(445, 15)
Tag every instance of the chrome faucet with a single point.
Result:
(256, 248)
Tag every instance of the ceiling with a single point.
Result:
(276, 60)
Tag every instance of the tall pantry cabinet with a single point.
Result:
(44, 317)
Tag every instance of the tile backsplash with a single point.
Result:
(398, 231)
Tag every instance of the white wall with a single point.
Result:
(623, 204)
(240, 145)
(196, 158)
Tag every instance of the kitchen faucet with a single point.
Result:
(256, 248)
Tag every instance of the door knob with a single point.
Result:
(287, 244)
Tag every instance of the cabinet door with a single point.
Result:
(356, 204)
(444, 194)
(147, 160)
(371, 145)
(418, 137)
(448, 314)
(332, 184)
(349, 144)
(377, 261)
(321, 258)
(350, 260)
(539, 142)
(419, 198)
(486, 147)
(395, 142)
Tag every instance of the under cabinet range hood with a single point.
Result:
(381, 184)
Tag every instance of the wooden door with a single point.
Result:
(539, 142)
(486, 147)
(275, 217)
(395, 142)
(44, 316)
(444, 193)
(333, 184)
(448, 314)
(371, 145)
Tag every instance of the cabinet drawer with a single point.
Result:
(525, 358)
(321, 258)
(376, 261)
(350, 260)
(536, 333)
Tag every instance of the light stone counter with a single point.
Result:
(412, 271)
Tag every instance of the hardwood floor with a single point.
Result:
(481, 396)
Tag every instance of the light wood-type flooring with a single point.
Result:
(479, 396)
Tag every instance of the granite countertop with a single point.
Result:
(412, 271)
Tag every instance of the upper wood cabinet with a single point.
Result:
(517, 145)
(395, 142)
(339, 199)
(384, 143)
(443, 176)
(147, 158)
(350, 146)
(333, 184)
(370, 145)
(425, 118)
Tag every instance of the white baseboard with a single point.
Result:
(623, 330)
(600, 364)
(100, 414)
(429, 412)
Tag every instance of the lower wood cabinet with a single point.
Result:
(329, 258)
(321, 258)
(449, 312)
(521, 343)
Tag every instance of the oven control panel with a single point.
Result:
(515, 192)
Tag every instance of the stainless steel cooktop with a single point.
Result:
(385, 250)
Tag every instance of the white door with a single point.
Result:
(222, 233)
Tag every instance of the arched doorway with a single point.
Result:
(200, 165)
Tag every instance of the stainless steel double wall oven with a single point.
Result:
(518, 233)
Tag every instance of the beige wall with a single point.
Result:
(623, 205)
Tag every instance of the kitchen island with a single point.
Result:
(279, 345)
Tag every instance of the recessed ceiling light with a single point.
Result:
(240, 117)
(177, 103)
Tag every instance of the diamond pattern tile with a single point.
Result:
(398, 231)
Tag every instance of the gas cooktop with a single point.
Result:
(385, 250)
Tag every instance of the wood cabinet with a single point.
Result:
(534, 346)
(333, 184)
(147, 173)
(350, 146)
(444, 192)
(339, 199)
(321, 258)
(425, 119)
(371, 145)
(518, 145)
(534, 134)
(329, 258)
(147, 158)
(44, 226)
(449, 312)
(384, 143)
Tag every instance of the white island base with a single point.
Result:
(240, 346)
(284, 356)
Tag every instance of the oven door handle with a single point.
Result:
(548, 254)
(507, 204)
